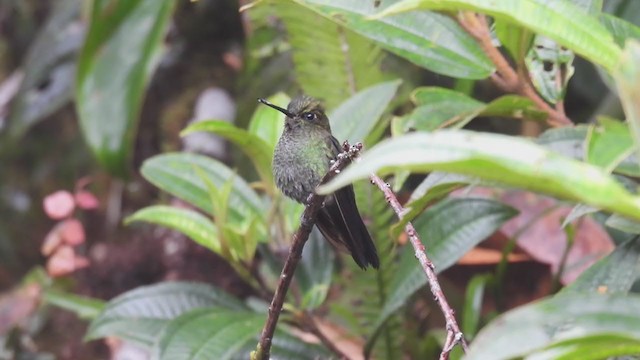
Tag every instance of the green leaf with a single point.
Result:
(536, 326)
(627, 77)
(176, 174)
(257, 149)
(550, 67)
(559, 20)
(49, 68)
(205, 334)
(448, 230)
(314, 273)
(268, 124)
(195, 225)
(433, 41)
(440, 107)
(435, 107)
(120, 53)
(140, 315)
(509, 160)
(623, 224)
(615, 273)
(608, 144)
(473, 304)
(354, 119)
(84, 307)
(619, 28)
(436, 186)
(515, 39)
(567, 141)
(321, 47)
(595, 347)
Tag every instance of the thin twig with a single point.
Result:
(300, 237)
(506, 78)
(454, 335)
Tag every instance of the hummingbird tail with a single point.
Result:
(340, 223)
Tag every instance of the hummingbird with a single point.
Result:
(302, 157)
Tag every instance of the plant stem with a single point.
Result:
(300, 237)
(505, 77)
(454, 335)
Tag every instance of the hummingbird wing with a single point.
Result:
(339, 222)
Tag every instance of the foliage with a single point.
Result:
(344, 52)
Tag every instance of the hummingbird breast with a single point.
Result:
(300, 161)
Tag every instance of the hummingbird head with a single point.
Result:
(303, 111)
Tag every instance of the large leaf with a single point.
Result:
(559, 20)
(356, 117)
(627, 77)
(205, 334)
(323, 50)
(608, 144)
(180, 175)
(431, 40)
(257, 149)
(141, 314)
(615, 273)
(448, 230)
(440, 107)
(49, 68)
(512, 161)
(619, 28)
(227, 334)
(595, 347)
(120, 53)
(573, 142)
(533, 327)
(191, 223)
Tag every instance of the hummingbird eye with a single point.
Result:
(309, 116)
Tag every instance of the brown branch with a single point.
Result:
(506, 78)
(314, 203)
(454, 335)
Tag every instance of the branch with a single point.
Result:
(308, 219)
(506, 78)
(454, 335)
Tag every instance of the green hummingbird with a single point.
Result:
(302, 157)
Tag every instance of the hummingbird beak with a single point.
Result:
(282, 110)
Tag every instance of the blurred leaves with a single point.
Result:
(354, 119)
(627, 77)
(49, 68)
(440, 107)
(561, 21)
(433, 41)
(118, 57)
(616, 273)
(257, 149)
(324, 50)
(609, 144)
(555, 321)
(448, 230)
